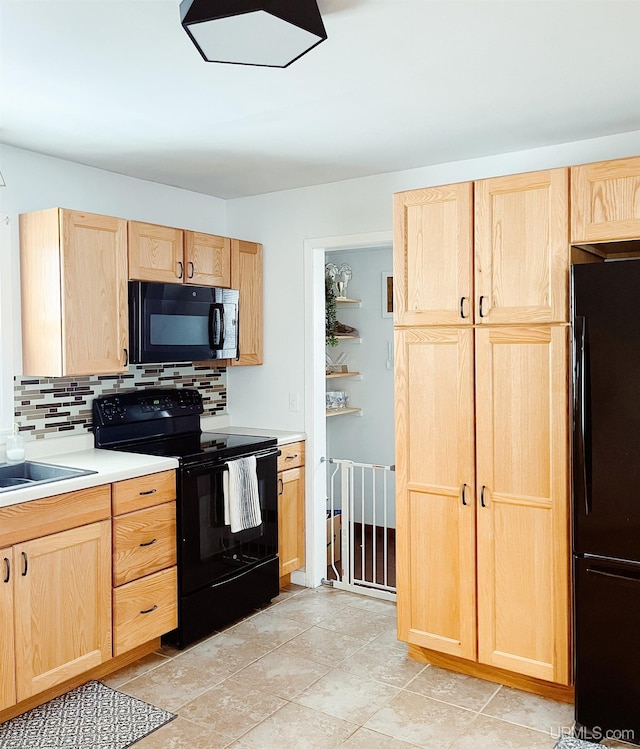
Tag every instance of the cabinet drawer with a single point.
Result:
(144, 491)
(144, 609)
(292, 456)
(144, 542)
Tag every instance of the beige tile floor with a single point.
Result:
(320, 669)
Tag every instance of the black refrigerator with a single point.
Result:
(606, 498)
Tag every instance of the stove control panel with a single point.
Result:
(144, 405)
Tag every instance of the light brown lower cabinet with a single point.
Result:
(7, 646)
(145, 579)
(56, 585)
(482, 495)
(291, 538)
(62, 606)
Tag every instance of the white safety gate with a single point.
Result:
(361, 527)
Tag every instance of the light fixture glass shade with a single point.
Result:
(271, 33)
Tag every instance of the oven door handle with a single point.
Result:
(222, 464)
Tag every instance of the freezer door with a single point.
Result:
(606, 394)
(607, 656)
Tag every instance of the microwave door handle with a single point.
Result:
(216, 332)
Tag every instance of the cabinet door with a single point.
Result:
(432, 249)
(207, 259)
(95, 326)
(605, 201)
(522, 248)
(62, 606)
(155, 253)
(7, 647)
(435, 511)
(522, 511)
(246, 276)
(291, 520)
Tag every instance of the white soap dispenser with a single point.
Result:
(15, 446)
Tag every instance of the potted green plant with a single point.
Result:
(331, 321)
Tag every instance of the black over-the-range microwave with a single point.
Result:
(175, 323)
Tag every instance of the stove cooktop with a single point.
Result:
(199, 446)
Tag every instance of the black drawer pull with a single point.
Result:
(150, 543)
(148, 611)
(151, 491)
(291, 457)
(25, 563)
(7, 566)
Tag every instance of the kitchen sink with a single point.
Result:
(30, 473)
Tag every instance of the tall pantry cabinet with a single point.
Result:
(481, 289)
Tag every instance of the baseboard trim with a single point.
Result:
(549, 689)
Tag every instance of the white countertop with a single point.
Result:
(109, 465)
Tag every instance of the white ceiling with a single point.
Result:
(399, 84)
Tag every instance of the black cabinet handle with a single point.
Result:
(462, 315)
(180, 269)
(481, 307)
(190, 269)
(126, 357)
(281, 485)
(151, 491)
(464, 489)
(25, 563)
(148, 611)
(482, 491)
(150, 543)
(7, 567)
(291, 457)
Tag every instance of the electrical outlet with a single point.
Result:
(294, 404)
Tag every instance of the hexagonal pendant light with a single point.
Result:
(271, 33)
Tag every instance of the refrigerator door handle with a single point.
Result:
(580, 409)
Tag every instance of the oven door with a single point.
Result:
(174, 323)
(208, 551)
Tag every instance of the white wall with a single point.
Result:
(282, 221)
(35, 182)
(294, 222)
(369, 437)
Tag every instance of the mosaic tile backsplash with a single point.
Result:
(59, 406)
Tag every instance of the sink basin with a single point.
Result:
(30, 473)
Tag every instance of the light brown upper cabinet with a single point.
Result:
(74, 293)
(522, 248)
(605, 201)
(522, 500)
(168, 255)
(435, 489)
(433, 251)
(246, 276)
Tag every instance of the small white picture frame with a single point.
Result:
(387, 294)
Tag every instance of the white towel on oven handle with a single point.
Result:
(241, 497)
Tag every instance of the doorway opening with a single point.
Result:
(360, 477)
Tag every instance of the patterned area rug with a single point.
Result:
(568, 742)
(92, 716)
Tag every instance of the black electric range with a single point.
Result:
(222, 576)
